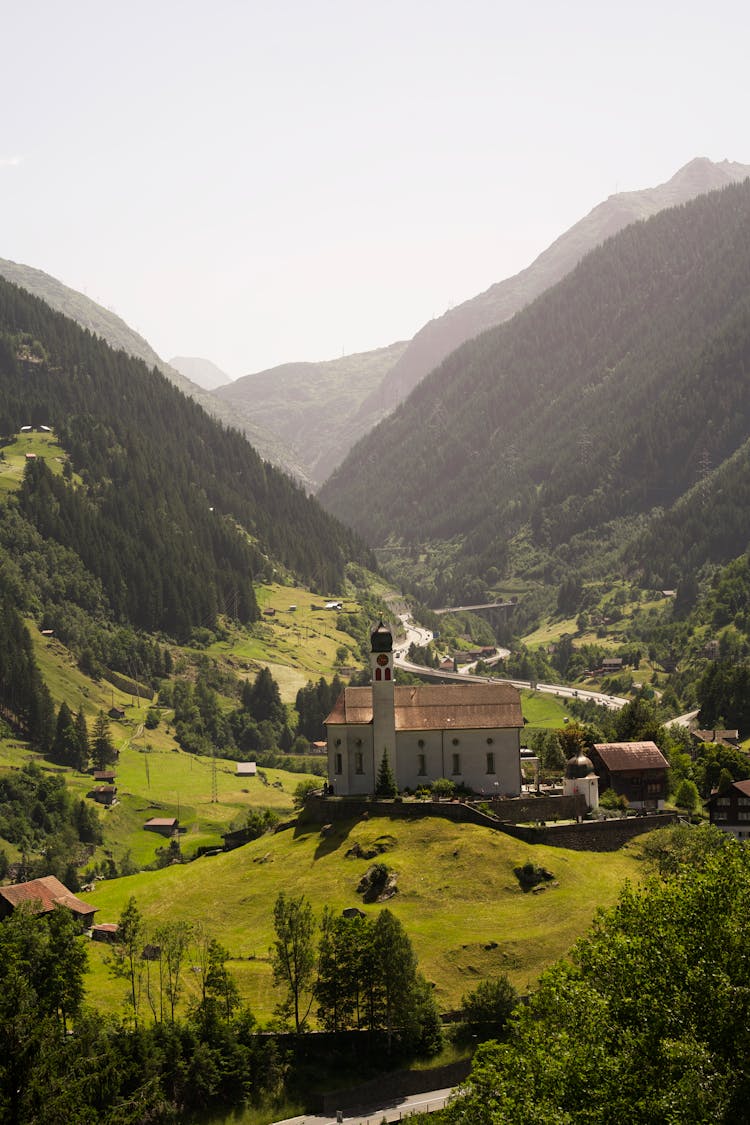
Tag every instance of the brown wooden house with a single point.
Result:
(635, 770)
(103, 794)
(730, 810)
(43, 895)
(164, 825)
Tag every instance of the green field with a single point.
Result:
(13, 461)
(297, 644)
(458, 899)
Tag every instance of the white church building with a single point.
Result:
(469, 733)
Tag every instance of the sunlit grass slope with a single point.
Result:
(458, 898)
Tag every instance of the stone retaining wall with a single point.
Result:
(588, 835)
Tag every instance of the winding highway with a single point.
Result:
(417, 634)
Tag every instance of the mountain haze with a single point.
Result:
(306, 416)
(441, 336)
(605, 400)
(200, 371)
(316, 409)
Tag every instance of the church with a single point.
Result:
(469, 733)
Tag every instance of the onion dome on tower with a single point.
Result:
(580, 777)
(578, 766)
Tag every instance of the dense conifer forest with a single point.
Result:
(583, 422)
(161, 518)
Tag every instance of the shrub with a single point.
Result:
(442, 787)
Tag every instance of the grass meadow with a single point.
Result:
(458, 898)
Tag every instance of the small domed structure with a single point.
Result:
(581, 778)
(578, 766)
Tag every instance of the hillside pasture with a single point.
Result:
(458, 898)
(14, 456)
(297, 644)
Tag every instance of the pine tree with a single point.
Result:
(102, 751)
(83, 749)
(63, 747)
(385, 785)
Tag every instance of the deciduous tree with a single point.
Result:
(293, 954)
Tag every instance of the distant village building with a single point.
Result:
(164, 825)
(246, 769)
(42, 896)
(720, 737)
(469, 732)
(103, 794)
(730, 810)
(635, 770)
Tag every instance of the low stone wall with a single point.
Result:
(588, 835)
(325, 810)
(603, 835)
(518, 810)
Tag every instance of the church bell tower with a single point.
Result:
(383, 696)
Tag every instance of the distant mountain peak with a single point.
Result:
(201, 371)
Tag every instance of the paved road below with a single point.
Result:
(373, 1115)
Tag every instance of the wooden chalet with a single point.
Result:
(719, 737)
(103, 794)
(164, 825)
(104, 931)
(730, 810)
(42, 896)
(635, 770)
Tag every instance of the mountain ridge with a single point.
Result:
(592, 405)
(203, 372)
(266, 398)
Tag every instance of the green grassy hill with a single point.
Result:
(458, 899)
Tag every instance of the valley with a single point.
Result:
(557, 503)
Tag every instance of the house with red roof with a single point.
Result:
(42, 896)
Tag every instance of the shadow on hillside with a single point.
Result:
(331, 836)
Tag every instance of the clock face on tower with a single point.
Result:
(382, 658)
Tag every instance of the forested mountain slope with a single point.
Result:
(169, 513)
(320, 410)
(605, 399)
(441, 336)
(102, 322)
(315, 408)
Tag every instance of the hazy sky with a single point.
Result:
(258, 182)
